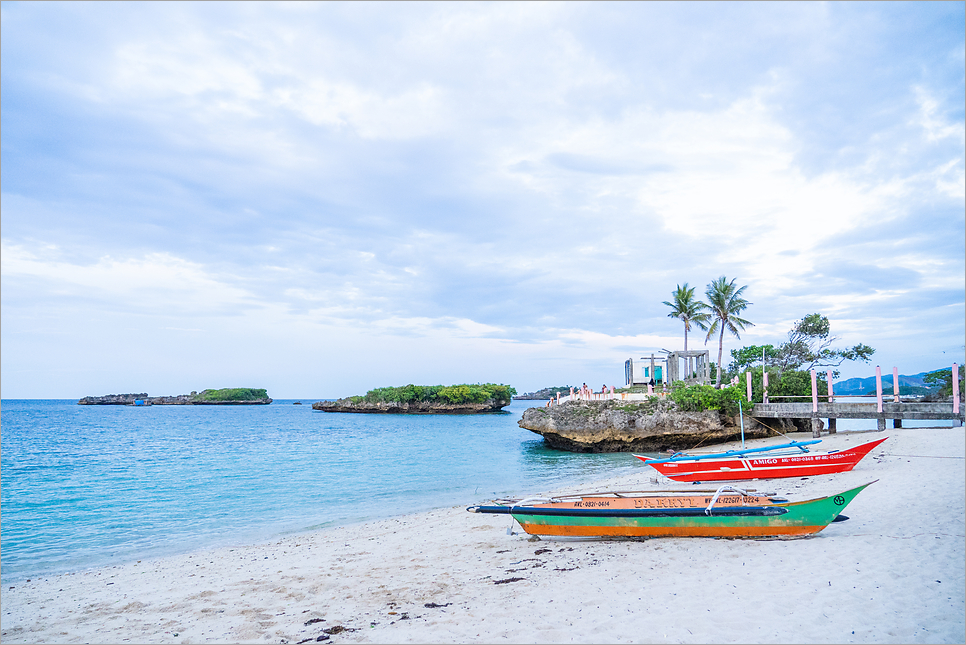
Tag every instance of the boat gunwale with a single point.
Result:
(691, 511)
(520, 509)
(633, 494)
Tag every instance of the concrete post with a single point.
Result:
(748, 375)
(816, 428)
(895, 386)
(814, 393)
(880, 424)
(878, 392)
(897, 423)
(831, 399)
(955, 388)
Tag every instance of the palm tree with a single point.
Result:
(688, 310)
(725, 303)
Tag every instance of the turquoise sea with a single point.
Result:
(86, 486)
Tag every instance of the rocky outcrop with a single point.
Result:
(651, 426)
(347, 405)
(181, 399)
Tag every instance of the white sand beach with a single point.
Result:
(893, 573)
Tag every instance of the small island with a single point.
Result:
(224, 396)
(545, 394)
(425, 399)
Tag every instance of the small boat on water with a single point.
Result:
(785, 460)
(727, 512)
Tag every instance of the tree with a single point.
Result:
(749, 356)
(687, 309)
(944, 379)
(809, 346)
(790, 383)
(725, 303)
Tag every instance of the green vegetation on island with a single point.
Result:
(447, 394)
(231, 394)
(225, 396)
(696, 398)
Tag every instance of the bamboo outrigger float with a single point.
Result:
(727, 512)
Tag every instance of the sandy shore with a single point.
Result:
(893, 573)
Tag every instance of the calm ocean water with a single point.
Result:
(86, 486)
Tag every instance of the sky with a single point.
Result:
(324, 198)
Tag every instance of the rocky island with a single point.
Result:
(425, 399)
(225, 396)
(653, 425)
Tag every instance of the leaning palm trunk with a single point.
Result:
(717, 380)
(687, 359)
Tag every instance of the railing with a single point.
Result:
(896, 409)
(896, 388)
(608, 394)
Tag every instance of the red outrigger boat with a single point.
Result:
(758, 464)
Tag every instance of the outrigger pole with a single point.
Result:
(741, 417)
(732, 453)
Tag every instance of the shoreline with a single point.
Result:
(893, 573)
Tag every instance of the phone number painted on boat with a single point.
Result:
(785, 460)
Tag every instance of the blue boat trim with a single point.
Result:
(734, 453)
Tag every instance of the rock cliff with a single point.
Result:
(346, 405)
(651, 426)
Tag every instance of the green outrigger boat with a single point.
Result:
(727, 512)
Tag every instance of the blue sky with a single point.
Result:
(320, 199)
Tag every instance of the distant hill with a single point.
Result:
(908, 384)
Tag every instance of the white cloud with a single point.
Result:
(524, 181)
(931, 121)
(722, 179)
(156, 282)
